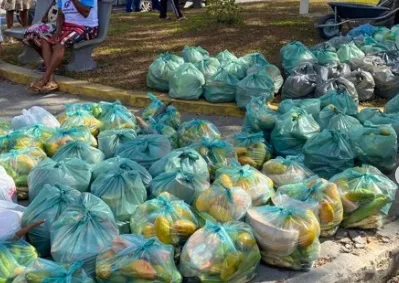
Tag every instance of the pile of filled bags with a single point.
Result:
(222, 78)
(158, 199)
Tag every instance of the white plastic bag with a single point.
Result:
(10, 219)
(8, 190)
(33, 116)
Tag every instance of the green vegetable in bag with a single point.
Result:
(287, 236)
(259, 117)
(333, 119)
(208, 67)
(221, 253)
(116, 116)
(341, 100)
(326, 54)
(94, 108)
(194, 54)
(236, 68)
(221, 87)
(5, 127)
(17, 140)
(349, 51)
(310, 105)
(366, 195)
(167, 131)
(225, 57)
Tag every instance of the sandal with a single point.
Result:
(49, 87)
(34, 88)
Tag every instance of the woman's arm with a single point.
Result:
(60, 22)
(82, 9)
(45, 17)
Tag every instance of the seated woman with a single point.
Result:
(76, 21)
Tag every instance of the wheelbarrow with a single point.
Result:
(347, 13)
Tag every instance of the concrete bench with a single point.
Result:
(82, 59)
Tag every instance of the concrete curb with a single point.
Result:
(137, 99)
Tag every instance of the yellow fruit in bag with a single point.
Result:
(184, 213)
(149, 230)
(247, 160)
(246, 241)
(226, 181)
(203, 201)
(139, 268)
(203, 151)
(162, 229)
(184, 227)
(241, 151)
(326, 212)
(230, 265)
(220, 213)
(104, 271)
(332, 191)
(274, 168)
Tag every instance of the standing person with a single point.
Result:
(175, 7)
(1, 37)
(16, 5)
(76, 21)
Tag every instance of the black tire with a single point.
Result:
(329, 32)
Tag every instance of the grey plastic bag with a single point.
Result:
(364, 84)
(337, 84)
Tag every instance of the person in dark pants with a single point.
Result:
(175, 8)
(155, 5)
(135, 4)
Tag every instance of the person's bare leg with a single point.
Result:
(56, 60)
(10, 19)
(24, 17)
(46, 52)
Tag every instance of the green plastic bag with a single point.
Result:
(237, 69)
(170, 116)
(217, 153)
(334, 119)
(116, 116)
(15, 256)
(366, 195)
(225, 57)
(349, 51)
(294, 54)
(43, 270)
(184, 185)
(259, 117)
(72, 172)
(194, 54)
(122, 190)
(223, 203)
(221, 87)
(376, 145)
(310, 105)
(319, 195)
(19, 139)
(72, 119)
(258, 186)
(85, 229)
(370, 46)
(341, 100)
(274, 72)
(208, 67)
(161, 69)
(291, 132)
(132, 258)
(287, 236)
(50, 202)
(328, 153)
(254, 85)
(166, 217)
(116, 164)
(392, 105)
(167, 131)
(94, 108)
(145, 150)
(62, 136)
(252, 149)
(5, 127)
(189, 160)
(254, 59)
(221, 253)
(284, 171)
(187, 82)
(109, 140)
(191, 131)
(376, 117)
(326, 54)
(40, 132)
(19, 163)
(80, 150)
